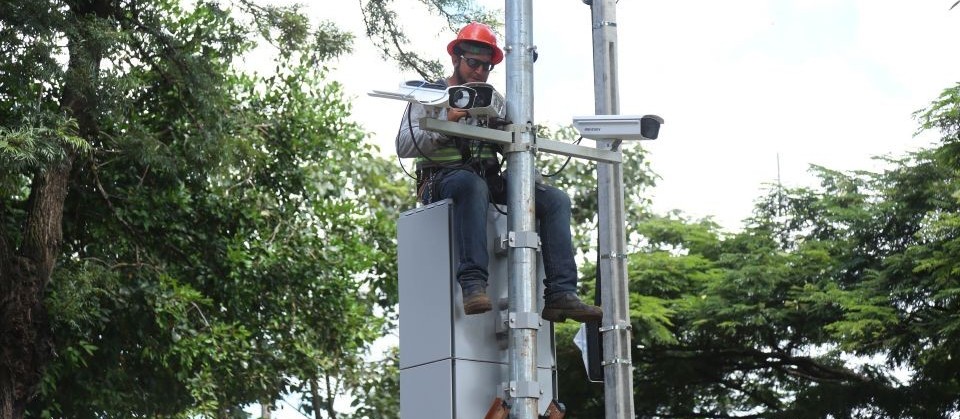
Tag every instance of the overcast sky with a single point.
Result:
(827, 82)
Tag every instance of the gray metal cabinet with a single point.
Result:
(453, 365)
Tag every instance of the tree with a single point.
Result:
(836, 301)
(177, 237)
(385, 29)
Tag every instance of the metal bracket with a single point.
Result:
(518, 128)
(528, 239)
(515, 146)
(524, 320)
(614, 256)
(506, 139)
(617, 361)
(618, 326)
(502, 332)
(523, 389)
(605, 23)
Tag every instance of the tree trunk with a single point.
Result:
(26, 344)
(265, 410)
(315, 398)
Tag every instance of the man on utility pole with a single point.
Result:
(469, 172)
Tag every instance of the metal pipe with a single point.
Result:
(522, 261)
(618, 370)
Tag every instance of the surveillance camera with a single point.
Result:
(417, 91)
(618, 127)
(488, 102)
(480, 100)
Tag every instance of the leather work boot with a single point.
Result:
(568, 306)
(475, 300)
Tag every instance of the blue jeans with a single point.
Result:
(470, 199)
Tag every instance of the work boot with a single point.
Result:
(475, 300)
(567, 305)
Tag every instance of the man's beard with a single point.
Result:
(458, 75)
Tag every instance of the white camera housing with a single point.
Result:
(618, 127)
(416, 91)
(480, 100)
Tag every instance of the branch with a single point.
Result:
(803, 366)
(330, 396)
(106, 197)
(388, 33)
(772, 404)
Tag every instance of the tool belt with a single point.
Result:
(429, 177)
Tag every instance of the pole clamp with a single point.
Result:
(527, 239)
(519, 128)
(523, 389)
(605, 23)
(515, 146)
(524, 320)
(614, 255)
(616, 361)
(618, 326)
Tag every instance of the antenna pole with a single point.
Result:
(523, 387)
(618, 368)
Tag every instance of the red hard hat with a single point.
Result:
(478, 32)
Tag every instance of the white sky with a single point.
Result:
(739, 83)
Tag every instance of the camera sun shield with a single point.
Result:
(618, 127)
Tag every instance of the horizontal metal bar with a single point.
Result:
(464, 130)
(575, 150)
(505, 137)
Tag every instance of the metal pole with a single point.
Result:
(618, 374)
(522, 258)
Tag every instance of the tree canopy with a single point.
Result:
(834, 301)
(178, 236)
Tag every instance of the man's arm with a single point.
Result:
(411, 140)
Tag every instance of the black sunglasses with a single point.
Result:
(473, 63)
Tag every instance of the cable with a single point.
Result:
(564, 163)
(474, 157)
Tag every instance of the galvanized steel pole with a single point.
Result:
(618, 370)
(522, 258)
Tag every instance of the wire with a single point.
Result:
(564, 163)
(400, 160)
(475, 157)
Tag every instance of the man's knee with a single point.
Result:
(464, 184)
(553, 199)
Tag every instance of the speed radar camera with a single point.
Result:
(480, 100)
(486, 101)
(417, 91)
(618, 127)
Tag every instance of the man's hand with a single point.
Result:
(455, 115)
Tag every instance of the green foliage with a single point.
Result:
(227, 237)
(385, 28)
(28, 147)
(834, 301)
(578, 178)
